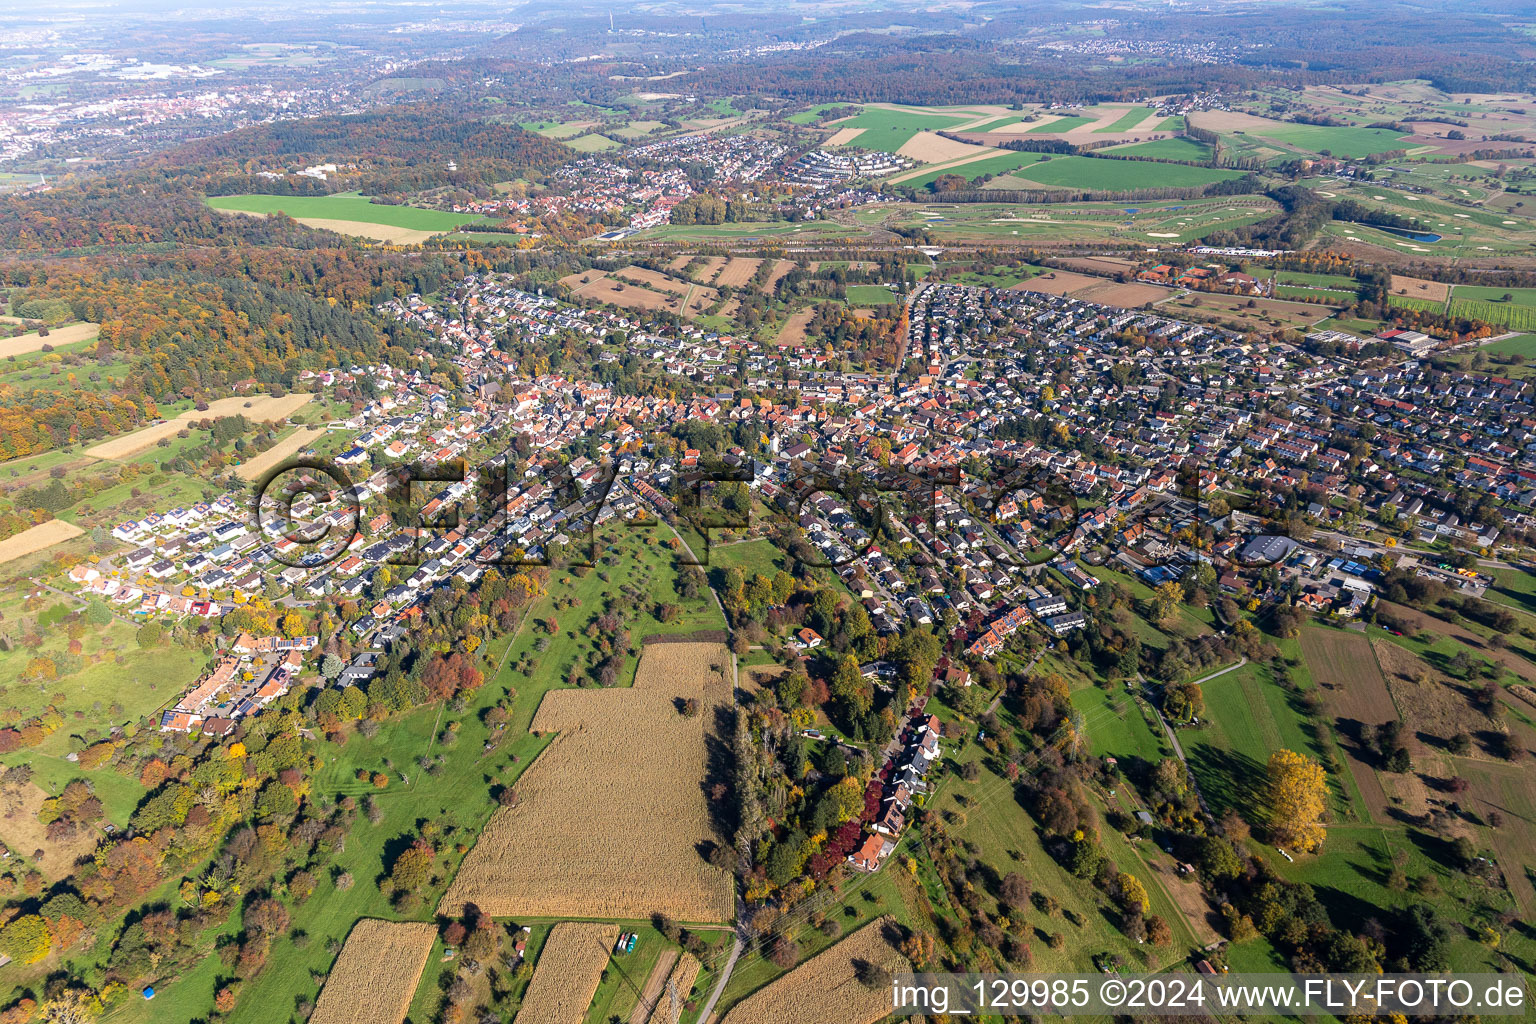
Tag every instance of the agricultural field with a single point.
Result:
(1164, 149)
(567, 973)
(888, 129)
(1517, 313)
(352, 214)
(1101, 174)
(826, 987)
(375, 977)
(1132, 117)
(1355, 695)
(259, 408)
(996, 164)
(639, 288)
(626, 758)
(56, 338)
(666, 1004)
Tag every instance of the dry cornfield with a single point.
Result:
(611, 817)
(680, 982)
(375, 977)
(826, 988)
(568, 972)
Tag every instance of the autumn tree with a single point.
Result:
(1297, 795)
(1165, 600)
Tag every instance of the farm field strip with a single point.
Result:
(57, 336)
(375, 976)
(568, 971)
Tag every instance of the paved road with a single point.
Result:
(1222, 672)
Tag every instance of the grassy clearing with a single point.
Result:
(592, 144)
(348, 206)
(870, 295)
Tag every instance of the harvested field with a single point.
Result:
(661, 282)
(1357, 698)
(301, 438)
(658, 1007)
(737, 272)
(709, 269)
(375, 976)
(1101, 264)
(1057, 282)
(611, 819)
(257, 408)
(602, 288)
(1418, 288)
(44, 535)
(976, 154)
(567, 974)
(1511, 791)
(56, 336)
(1235, 308)
(362, 229)
(826, 989)
(23, 833)
(651, 994)
(793, 331)
(779, 271)
(843, 136)
(1130, 295)
(932, 148)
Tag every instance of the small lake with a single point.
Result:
(1417, 236)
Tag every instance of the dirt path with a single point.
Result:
(653, 986)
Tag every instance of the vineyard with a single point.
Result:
(1416, 305)
(1504, 314)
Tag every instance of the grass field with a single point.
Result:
(346, 206)
(870, 295)
(1522, 345)
(1165, 149)
(1248, 717)
(1119, 175)
(592, 143)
